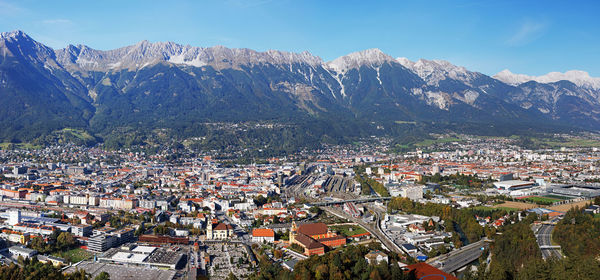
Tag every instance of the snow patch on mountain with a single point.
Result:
(370, 57)
(146, 53)
(434, 71)
(578, 77)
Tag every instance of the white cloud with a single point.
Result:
(10, 9)
(527, 33)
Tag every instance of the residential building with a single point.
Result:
(261, 235)
(22, 251)
(375, 257)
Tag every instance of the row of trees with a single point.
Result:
(460, 179)
(578, 234)
(343, 263)
(516, 255)
(368, 183)
(31, 269)
(57, 241)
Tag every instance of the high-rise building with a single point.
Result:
(14, 217)
(102, 242)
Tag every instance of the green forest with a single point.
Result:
(578, 234)
(515, 253)
(343, 263)
(32, 269)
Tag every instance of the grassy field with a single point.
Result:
(541, 200)
(557, 197)
(568, 142)
(330, 219)
(345, 229)
(77, 133)
(25, 146)
(74, 255)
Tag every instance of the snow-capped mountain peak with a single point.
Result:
(372, 57)
(510, 78)
(577, 77)
(18, 43)
(13, 34)
(434, 71)
(146, 53)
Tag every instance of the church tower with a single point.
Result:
(209, 230)
(293, 232)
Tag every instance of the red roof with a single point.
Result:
(428, 272)
(263, 232)
(223, 226)
(308, 242)
(313, 229)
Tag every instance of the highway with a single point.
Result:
(544, 239)
(460, 257)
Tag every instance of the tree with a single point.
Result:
(38, 244)
(231, 276)
(140, 230)
(315, 210)
(79, 274)
(65, 240)
(102, 276)
(161, 230)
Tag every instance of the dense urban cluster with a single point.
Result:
(339, 212)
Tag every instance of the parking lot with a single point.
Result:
(124, 272)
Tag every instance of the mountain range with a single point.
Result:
(155, 86)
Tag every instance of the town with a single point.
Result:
(436, 208)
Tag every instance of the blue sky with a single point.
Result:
(529, 37)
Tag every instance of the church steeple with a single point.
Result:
(209, 231)
(293, 232)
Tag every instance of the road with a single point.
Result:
(460, 257)
(242, 235)
(376, 232)
(544, 239)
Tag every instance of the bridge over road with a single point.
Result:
(460, 257)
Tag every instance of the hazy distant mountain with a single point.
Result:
(166, 85)
(572, 96)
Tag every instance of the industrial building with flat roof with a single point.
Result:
(144, 256)
(512, 185)
(584, 191)
(123, 272)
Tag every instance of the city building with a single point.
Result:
(21, 251)
(81, 230)
(14, 217)
(374, 257)
(102, 242)
(314, 238)
(261, 235)
(220, 232)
